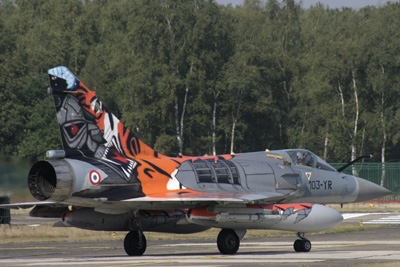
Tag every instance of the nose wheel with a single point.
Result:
(302, 244)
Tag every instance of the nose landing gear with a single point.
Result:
(302, 244)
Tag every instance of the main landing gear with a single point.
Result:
(228, 240)
(302, 244)
(135, 243)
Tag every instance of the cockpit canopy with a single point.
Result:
(307, 158)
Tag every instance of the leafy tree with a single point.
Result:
(195, 77)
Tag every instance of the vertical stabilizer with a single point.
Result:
(87, 127)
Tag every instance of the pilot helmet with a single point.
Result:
(300, 156)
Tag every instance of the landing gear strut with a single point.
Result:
(135, 243)
(302, 244)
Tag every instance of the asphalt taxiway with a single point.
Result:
(345, 249)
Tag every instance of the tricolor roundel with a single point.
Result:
(95, 177)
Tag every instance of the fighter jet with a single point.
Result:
(105, 178)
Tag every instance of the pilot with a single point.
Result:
(300, 158)
(308, 160)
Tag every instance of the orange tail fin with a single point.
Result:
(87, 127)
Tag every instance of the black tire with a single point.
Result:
(305, 245)
(302, 245)
(297, 245)
(228, 242)
(135, 243)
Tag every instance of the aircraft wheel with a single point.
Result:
(228, 241)
(297, 245)
(305, 245)
(135, 243)
(302, 245)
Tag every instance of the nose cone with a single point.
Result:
(368, 190)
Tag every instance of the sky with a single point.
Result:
(355, 4)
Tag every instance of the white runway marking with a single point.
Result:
(355, 215)
(394, 217)
(385, 220)
(257, 253)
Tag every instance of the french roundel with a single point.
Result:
(95, 177)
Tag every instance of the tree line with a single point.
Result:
(195, 77)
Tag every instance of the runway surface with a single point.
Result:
(345, 249)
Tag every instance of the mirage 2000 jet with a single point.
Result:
(105, 178)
